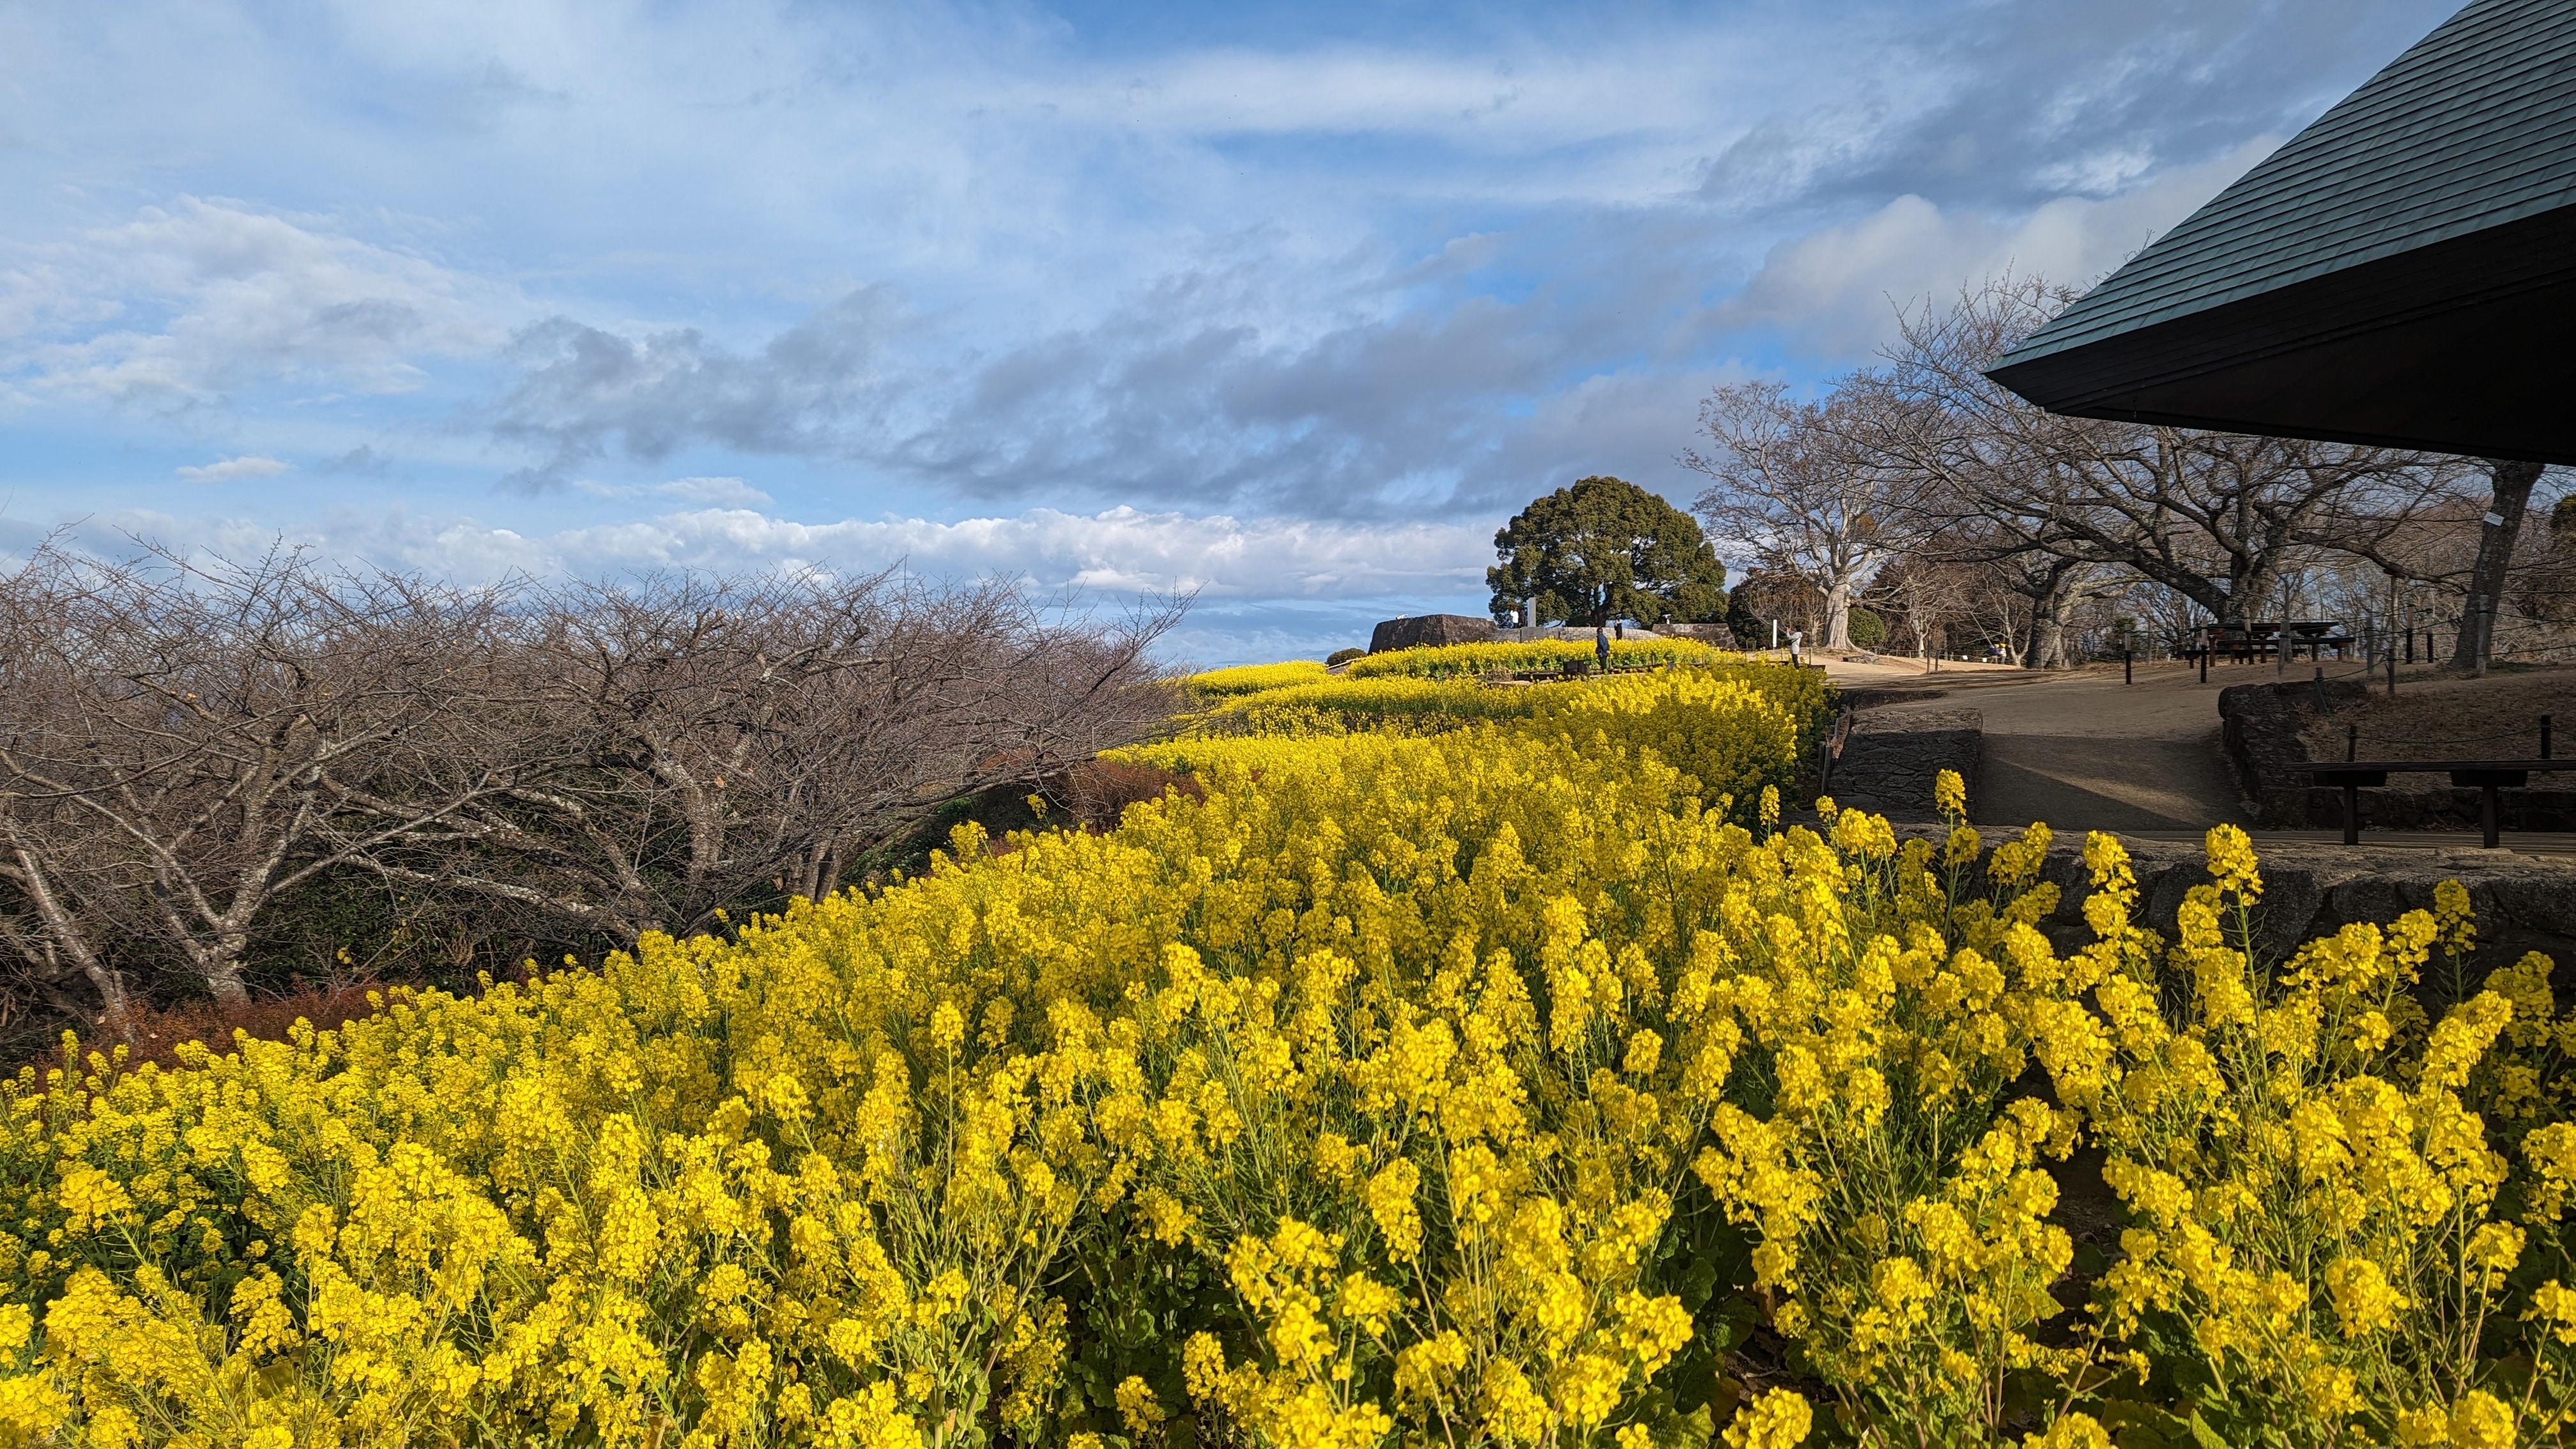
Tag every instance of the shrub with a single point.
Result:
(1255, 678)
(1340, 657)
(1867, 629)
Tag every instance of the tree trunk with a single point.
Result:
(2249, 593)
(1838, 607)
(2048, 617)
(220, 968)
(2512, 485)
(65, 933)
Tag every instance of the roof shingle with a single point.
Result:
(2473, 127)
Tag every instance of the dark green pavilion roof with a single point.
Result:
(2403, 271)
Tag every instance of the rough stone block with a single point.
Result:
(1426, 631)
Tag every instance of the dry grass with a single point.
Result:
(2451, 717)
(1097, 792)
(155, 1034)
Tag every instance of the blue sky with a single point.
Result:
(1288, 304)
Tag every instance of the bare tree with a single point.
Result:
(1926, 596)
(2546, 582)
(1994, 613)
(1787, 481)
(180, 744)
(184, 745)
(2216, 517)
(2018, 580)
(696, 742)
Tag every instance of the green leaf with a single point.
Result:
(2136, 1425)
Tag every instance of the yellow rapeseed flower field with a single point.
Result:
(1450, 661)
(1515, 1082)
(1254, 678)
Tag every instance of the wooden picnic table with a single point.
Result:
(2261, 640)
(2485, 776)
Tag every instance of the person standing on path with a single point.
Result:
(1795, 636)
(1601, 645)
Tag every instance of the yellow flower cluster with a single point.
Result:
(2319, 1244)
(1467, 660)
(1728, 733)
(1254, 678)
(1734, 727)
(1339, 706)
(1518, 1082)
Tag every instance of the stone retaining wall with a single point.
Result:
(1888, 763)
(2523, 903)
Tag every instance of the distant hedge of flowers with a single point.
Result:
(1514, 1084)
(1450, 661)
(1254, 678)
(1695, 716)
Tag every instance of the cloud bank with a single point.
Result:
(1257, 584)
(1277, 302)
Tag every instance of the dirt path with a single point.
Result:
(2084, 751)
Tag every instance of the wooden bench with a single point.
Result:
(2485, 776)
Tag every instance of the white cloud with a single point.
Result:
(1265, 588)
(234, 469)
(726, 492)
(203, 298)
(1118, 551)
(722, 492)
(1499, 97)
(1835, 291)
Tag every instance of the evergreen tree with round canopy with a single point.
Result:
(1607, 549)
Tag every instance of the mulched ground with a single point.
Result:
(2454, 718)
